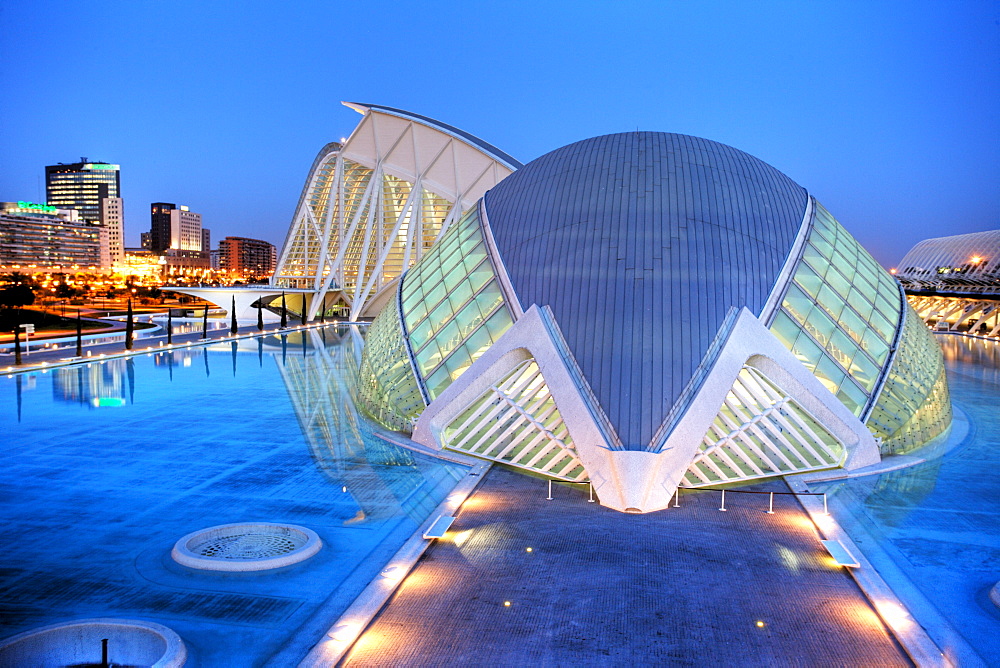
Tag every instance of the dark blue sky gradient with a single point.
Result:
(887, 112)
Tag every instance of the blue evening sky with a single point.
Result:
(888, 112)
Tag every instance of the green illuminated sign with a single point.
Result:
(31, 206)
(91, 165)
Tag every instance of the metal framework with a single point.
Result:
(373, 205)
(761, 431)
(517, 422)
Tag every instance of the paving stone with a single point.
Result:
(687, 586)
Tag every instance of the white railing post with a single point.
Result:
(677, 498)
(723, 506)
(825, 511)
(770, 505)
(550, 489)
(591, 484)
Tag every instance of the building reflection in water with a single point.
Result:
(319, 368)
(96, 385)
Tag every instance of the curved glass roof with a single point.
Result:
(640, 243)
(444, 127)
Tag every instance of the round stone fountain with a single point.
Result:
(256, 546)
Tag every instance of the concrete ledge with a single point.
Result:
(342, 635)
(131, 642)
(896, 616)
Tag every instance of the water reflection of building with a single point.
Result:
(320, 369)
(95, 385)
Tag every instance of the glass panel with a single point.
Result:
(830, 374)
(865, 372)
(785, 329)
(822, 245)
(797, 303)
(852, 396)
(875, 346)
(832, 302)
(882, 325)
(807, 351)
(837, 281)
(808, 279)
(860, 304)
(842, 348)
(820, 326)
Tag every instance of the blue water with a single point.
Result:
(104, 467)
(933, 530)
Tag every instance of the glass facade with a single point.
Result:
(914, 405)
(387, 388)
(839, 313)
(377, 249)
(759, 432)
(452, 312)
(81, 186)
(453, 308)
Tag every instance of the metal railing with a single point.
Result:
(722, 506)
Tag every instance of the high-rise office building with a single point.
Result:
(81, 186)
(250, 257)
(173, 226)
(112, 220)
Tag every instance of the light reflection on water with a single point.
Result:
(933, 530)
(106, 465)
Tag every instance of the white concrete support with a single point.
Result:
(643, 481)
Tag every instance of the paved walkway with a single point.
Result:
(689, 586)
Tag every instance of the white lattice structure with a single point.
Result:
(374, 204)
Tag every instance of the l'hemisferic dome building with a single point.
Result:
(650, 310)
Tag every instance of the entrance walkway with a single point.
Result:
(590, 586)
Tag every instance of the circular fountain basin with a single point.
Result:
(131, 642)
(256, 546)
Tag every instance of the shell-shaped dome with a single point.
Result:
(641, 243)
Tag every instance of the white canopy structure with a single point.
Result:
(374, 204)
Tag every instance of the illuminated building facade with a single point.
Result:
(82, 186)
(113, 225)
(39, 237)
(176, 227)
(961, 263)
(650, 311)
(248, 257)
(374, 204)
(954, 282)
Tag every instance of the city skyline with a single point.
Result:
(889, 114)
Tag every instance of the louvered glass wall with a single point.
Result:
(759, 432)
(452, 305)
(839, 313)
(517, 422)
(914, 405)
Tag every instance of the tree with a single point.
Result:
(129, 327)
(233, 328)
(16, 296)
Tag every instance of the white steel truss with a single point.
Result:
(517, 422)
(760, 431)
(373, 205)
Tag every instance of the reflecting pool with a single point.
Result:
(933, 530)
(105, 466)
